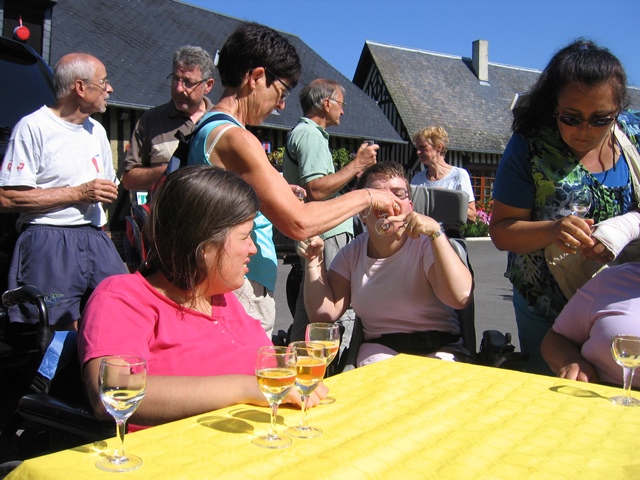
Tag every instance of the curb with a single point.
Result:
(477, 239)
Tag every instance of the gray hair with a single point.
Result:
(70, 68)
(191, 57)
(313, 95)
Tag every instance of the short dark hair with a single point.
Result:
(253, 45)
(385, 170)
(313, 95)
(580, 62)
(195, 207)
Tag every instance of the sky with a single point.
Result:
(522, 33)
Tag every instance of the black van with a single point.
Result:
(26, 83)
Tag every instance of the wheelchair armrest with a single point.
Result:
(79, 420)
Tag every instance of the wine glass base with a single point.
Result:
(626, 401)
(272, 441)
(126, 464)
(303, 432)
(327, 400)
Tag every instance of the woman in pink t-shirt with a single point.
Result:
(180, 312)
(403, 286)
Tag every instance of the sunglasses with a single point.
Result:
(597, 122)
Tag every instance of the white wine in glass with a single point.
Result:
(310, 366)
(276, 374)
(626, 352)
(122, 383)
(327, 334)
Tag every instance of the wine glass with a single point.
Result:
(626, 352)
(311, 365)
(384, 226)
(276, 374)
(327, 334)
(122, 383)
(580, 203)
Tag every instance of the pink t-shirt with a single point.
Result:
(607, 305)
(126, 315)
(393, 295)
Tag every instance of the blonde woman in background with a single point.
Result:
(431, 145)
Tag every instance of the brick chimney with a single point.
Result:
(480, 60)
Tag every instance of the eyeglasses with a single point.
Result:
(287, 88)
(342, 104)
(103, 84)
(400, 193)
(186, 84)
(597, 122)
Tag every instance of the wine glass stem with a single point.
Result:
(118, 454)
(303, 418)
(628, 379)
(274, 418)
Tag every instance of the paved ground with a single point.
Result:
(492, 292)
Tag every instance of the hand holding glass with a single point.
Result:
(122, 383)
(327, 334)
(276, 373)
(626, 352)
(311, 365)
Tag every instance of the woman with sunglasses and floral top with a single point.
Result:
(564, 141)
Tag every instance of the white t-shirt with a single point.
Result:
(607, 305)
(393, 295)
(46, 152)
(456, 179)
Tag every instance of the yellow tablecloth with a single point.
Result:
(404, 418)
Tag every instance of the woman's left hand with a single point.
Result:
(318, 394)
(416, 224)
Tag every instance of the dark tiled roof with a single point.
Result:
(136, 39)
(433, 88)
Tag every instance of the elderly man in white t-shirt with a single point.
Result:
(57, 172)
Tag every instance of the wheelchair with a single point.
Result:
(449, 207)
(51, 412)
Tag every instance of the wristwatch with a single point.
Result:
(437, 233)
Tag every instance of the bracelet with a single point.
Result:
(436, 234)
(313, 267)
(368, 212)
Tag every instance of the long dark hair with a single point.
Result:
(580, 62)
(195, 207)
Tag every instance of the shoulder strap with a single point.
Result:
(633, 160)
(214, 117)
(215, 140)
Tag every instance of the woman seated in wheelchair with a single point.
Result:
(179, 312)
(403, 281)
